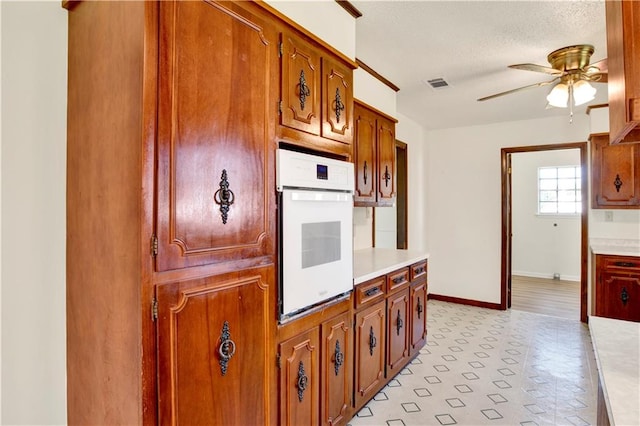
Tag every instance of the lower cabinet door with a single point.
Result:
(337, 370)
(370, 351)
(213, 334)
(299, 379)
(619, 296)
(418, 316)
(397, 331)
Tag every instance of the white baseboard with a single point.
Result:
(545, 276)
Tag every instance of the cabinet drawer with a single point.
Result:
(418, 270)
(398, 280)
(621, 263)
(370, 291)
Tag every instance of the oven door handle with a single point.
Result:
(322, 196)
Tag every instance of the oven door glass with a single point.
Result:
(317, 244)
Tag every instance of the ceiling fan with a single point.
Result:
(571, 69)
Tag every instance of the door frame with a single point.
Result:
(505, 268)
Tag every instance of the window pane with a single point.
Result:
(548, 196)
(566, 196)
(548, 207)
(547, 172)
(548, 184)
(566, 207)
(566, 183)
(578, 173)
(566, 172)
(578, 196)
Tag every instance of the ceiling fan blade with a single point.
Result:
(602, 66)
(598, 71)
(536, 68)
(543, 83)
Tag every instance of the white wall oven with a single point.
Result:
(316, 230)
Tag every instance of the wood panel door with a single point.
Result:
(386, 139)
(397, 331)
(337, 101)
(370, 352)
(618, 296)
(300, 379)
(213, 335)
(418, 316)
(215, 135)
(615, 174)
(365, 155)
(300, 81)
(337, 370)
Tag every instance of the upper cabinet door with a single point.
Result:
(365, 155)
(337, 101)
(301, 76)
(623, 41)
(615, 174)
(215, 135)
(386, 161)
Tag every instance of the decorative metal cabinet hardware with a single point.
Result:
(224, 197)
(339, 105)
(303, 380)
(386, 176)
(372, 341)
(419, 308)
(304, 89)
(372, 291)
(399, 323)
(398, 280)
(227, 348)
(338, 358)
(617, 183)
(624, 296)
(365, 172)
(624, 264)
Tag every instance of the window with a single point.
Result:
(559, 190)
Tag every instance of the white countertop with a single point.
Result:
(372, 262)
(618, 247)
(617, 348)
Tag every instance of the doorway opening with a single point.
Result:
(508, 225)
(402, 225)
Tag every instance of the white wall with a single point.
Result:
(34, 57)
(464, 200)
(542, 244)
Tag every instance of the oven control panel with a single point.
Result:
(298, 170)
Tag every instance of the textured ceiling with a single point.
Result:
(470, 44)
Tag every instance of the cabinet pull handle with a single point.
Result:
(419, 308)
(398, 280)
(419, 270)
(303, 381)
(227, 348)
(399, 323)
(365, 172)
(372, 291)
(386, 176)
(339, 106)
(617, 183)
(224, 197)
(625, 264)
(624, 296)
(338, 358)
(372, 341)
(303, 89)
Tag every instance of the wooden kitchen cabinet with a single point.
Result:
(615, 174)
(374, 157)
(398, 331)
(370, 347)
(418, 297)
(623, 43)
(213, 340)
(617, 287)
(316, 105)
(336, 366)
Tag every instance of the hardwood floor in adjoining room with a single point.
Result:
(557, 298)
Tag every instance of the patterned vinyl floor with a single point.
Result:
(488, 367)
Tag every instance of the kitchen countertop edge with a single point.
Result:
(615, 247)
(373, 262)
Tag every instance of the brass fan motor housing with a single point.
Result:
(571, 58)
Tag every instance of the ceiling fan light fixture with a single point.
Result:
(583, 92)
(559, 96)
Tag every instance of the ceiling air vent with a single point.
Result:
(437, 83)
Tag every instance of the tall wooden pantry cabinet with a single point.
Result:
(171, 212)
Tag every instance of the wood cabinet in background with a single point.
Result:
(370, 350)
(615, 174)
(617, 287)
(374, 157)
(316, 105)
(623, 44)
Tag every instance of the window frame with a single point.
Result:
(577, 190)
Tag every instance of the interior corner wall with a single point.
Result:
(464, 200)
(34, 89)
(542, 245)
